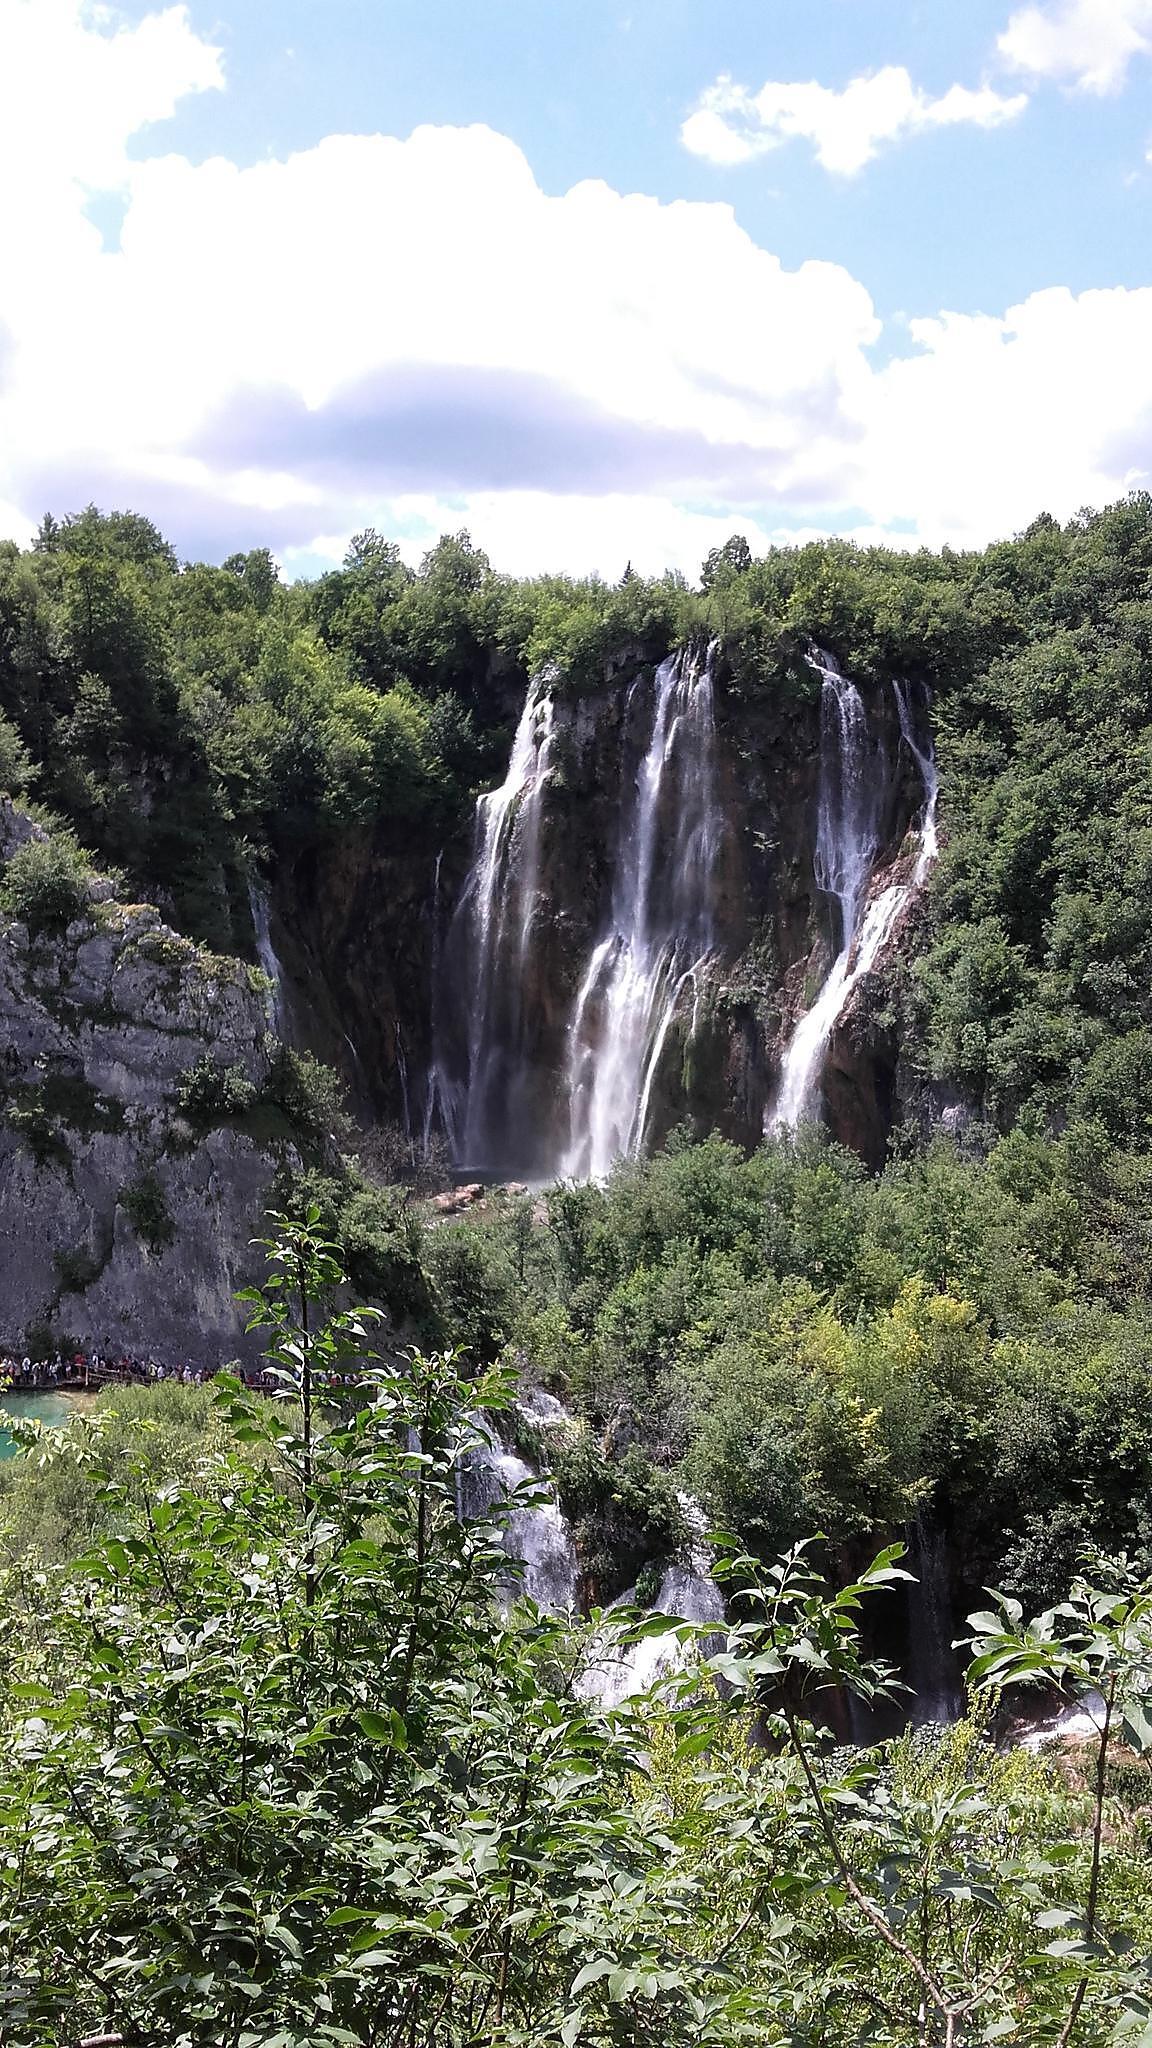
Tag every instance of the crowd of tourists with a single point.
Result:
(91, 1369)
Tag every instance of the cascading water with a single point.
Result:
(515, 1085)
(853, 776)
(688, 1592)
(269, 960)
(537, 1536)
(661, 927)
(491, 929)
(937, 1693)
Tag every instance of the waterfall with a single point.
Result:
(660, 932)
(687, 1592)
(538, 1536)
(937, 1694)
(853, 776)
(515, 1084)
(925, 761)
(402, 1076)
(491, 929)
(266, 954)
(440, 1103)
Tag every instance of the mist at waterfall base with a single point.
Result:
(642, 971)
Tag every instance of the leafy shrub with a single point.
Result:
(379, 1234)
(47, 883)
(31, 1121)
(309, 1095)
(147, 1210)
(17, 768)
(625, 1513)
(473, 1283)
(77, 1270)
(209, 1093)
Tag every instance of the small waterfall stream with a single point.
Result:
(661, 928)
(269, 960)
(853, 776)
(688, 1592)
(933, 1671)
(538, 1537)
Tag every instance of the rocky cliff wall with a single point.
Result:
(124, 1224)
(362, 929)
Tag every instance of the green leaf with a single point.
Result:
(387, 1728)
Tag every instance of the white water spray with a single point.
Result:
(537, 1536)
(688, 1592)
(846, 844)
(661, 930)
(496, 912)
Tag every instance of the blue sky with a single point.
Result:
(597, 89)
(874, 266)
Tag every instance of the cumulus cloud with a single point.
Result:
(76, 85)
(846, 129)
(1088, 44)
(992, 420)
(412, 333)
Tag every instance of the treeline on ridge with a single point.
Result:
(183, 718)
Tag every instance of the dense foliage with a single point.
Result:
(180, 717)
(282, 1767)
(281, 1763)
(959, 1347)
(961, 1342)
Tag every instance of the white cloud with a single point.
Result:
(1088, 44)
(993, 420)
(413, 333)
(535, 532)
(846, 129)
(76, 84)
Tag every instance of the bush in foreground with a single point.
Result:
(282, 1769)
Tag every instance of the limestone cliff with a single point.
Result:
(124, 1221)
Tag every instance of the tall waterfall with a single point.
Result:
(519, 1082)
(491, 929)
(660, 931)
(853, 776)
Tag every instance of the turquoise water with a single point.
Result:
(50, 1408)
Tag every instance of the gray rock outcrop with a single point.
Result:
(124, 1224)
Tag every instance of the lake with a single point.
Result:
(50, 1408)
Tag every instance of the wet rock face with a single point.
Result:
(771, 928)
(120, 1225)
(378, 983)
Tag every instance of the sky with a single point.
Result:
(602, 281)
